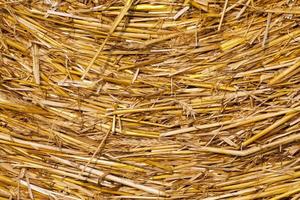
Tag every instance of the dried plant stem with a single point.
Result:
(111, 177)
(284, 119)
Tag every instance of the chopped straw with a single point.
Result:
(149, 99)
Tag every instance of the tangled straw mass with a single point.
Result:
(149, 99)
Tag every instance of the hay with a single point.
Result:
(195, 99)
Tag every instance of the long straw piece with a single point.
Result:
(114, 26)
(111, 177)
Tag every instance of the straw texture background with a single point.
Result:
(149, 99)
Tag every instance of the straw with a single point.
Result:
(149, 99)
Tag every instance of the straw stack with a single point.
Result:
(149, 99)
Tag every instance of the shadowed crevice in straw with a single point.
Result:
(149, 99)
